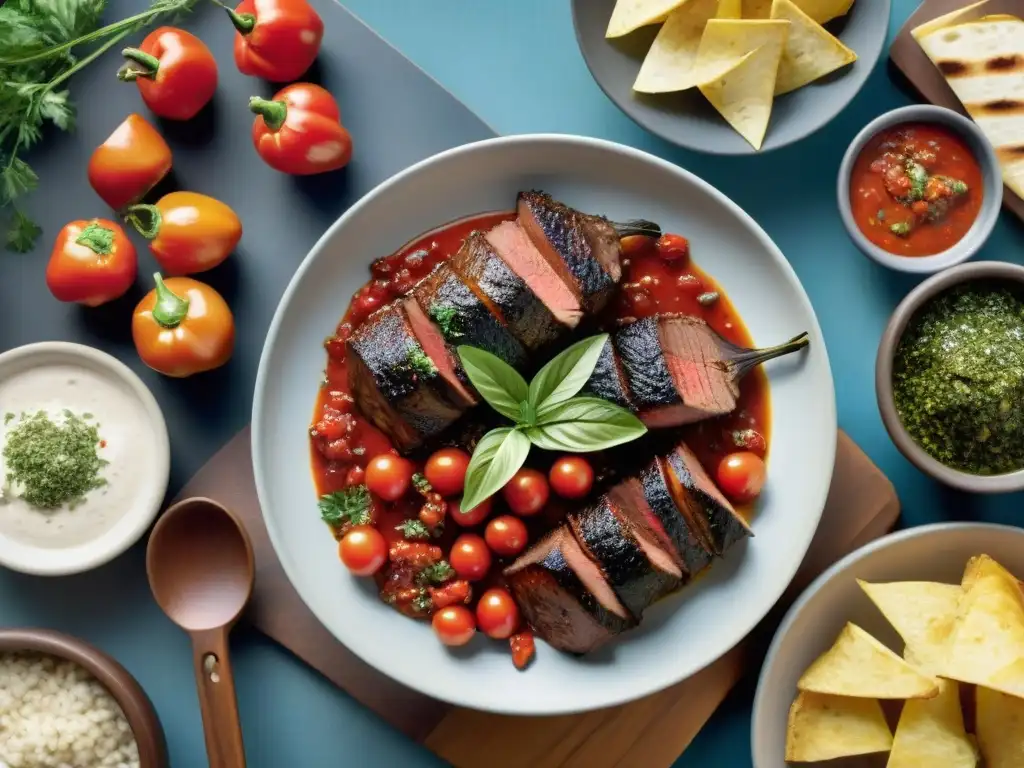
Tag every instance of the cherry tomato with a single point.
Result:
(388, 476)
(527, 492)
(446, 471)
(571, 477)
(741, 476)
(454, 625)
(673, 247)
(363, 550)
(506, 535)
(497, 614)
(470, 557)
(467, 518)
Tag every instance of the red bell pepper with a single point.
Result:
(299, 131)
(92, 263)
(277, 40)
(174, 70)
(129, 163)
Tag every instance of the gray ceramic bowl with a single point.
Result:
(933, 286)
(926, 553)
(688, 120)
(992, 201)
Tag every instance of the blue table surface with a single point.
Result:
(517, 65)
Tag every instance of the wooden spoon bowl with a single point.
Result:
(137, 708)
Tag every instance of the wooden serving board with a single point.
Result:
(648, 733)
(924, 77)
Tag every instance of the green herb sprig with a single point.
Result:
(37, 38)
(346, 508)
(546, 413)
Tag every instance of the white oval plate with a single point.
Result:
(680, 635)
(927, 553)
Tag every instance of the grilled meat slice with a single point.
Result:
(650, 493)
(643, 361)
(395, 382)
(721, 526)
(583, 249)
(608, 380)
(459, 391)
(564, 596)
(637, 568)
(555, 290)
(505, 293)
(464, 319)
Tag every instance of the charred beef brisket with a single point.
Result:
(637, 568)
(695, 493)
(505, 293)
(608, 381)
(395, 381)
(564, 596)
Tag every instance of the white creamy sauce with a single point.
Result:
(127, 445)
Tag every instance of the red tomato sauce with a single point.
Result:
(916, 219)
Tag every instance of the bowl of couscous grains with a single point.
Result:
(65, 704)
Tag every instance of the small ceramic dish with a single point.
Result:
(982, 270)
(125, 689)
(926, 553)
(56, 378)
(992, 200)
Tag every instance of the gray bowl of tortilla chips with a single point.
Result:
(731, 77)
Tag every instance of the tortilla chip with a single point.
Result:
(931, 733)
(967, 13)
(669, 63)
(986, 646)
(974, 57)
(823, 727)
(823, 11)
(629, 15)
(999, 723)
(983, 565)
(756, 9)
(729, 9)
(922, 613)
(810, 52)
(858, 665)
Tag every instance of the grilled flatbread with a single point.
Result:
(983, 62)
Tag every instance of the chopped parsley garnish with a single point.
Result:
(53, 462)
(448, 320)
(421, 484)
(438, 573)
(348, 507)
(8, 417)
(900, 228)
(413, 529)
(423, 602)
(420, 363)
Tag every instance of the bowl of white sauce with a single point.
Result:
(84, 458)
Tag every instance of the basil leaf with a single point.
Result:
(499, 455)
(564, 376)
(583, 425)
(497, 382)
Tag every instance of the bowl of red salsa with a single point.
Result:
(920, 189)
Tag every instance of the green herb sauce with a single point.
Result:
(53, 463)
(958, 379)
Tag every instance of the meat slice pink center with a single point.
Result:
(695, 362)
(430, 338)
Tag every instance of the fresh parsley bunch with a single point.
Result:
(546, 413)
(37, 38)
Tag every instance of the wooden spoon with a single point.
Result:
(201, 570)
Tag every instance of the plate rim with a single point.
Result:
(744, 149)
(615, 697)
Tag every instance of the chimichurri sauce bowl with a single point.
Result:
(949, 377)
(920, 189)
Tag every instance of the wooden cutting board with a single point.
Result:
(923, 76)
(648, 733)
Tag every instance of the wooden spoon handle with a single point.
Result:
(216, 685)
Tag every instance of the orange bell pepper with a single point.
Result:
(174, 70)
(187, 232)
(183, 327)
(92, 262)
(129, 163)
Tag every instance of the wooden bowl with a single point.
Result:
(137, 708)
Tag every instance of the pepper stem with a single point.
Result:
(170, 309)
(244, 22)
(274, 113)
(134, 215)
(147, 65)
(97, 238)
